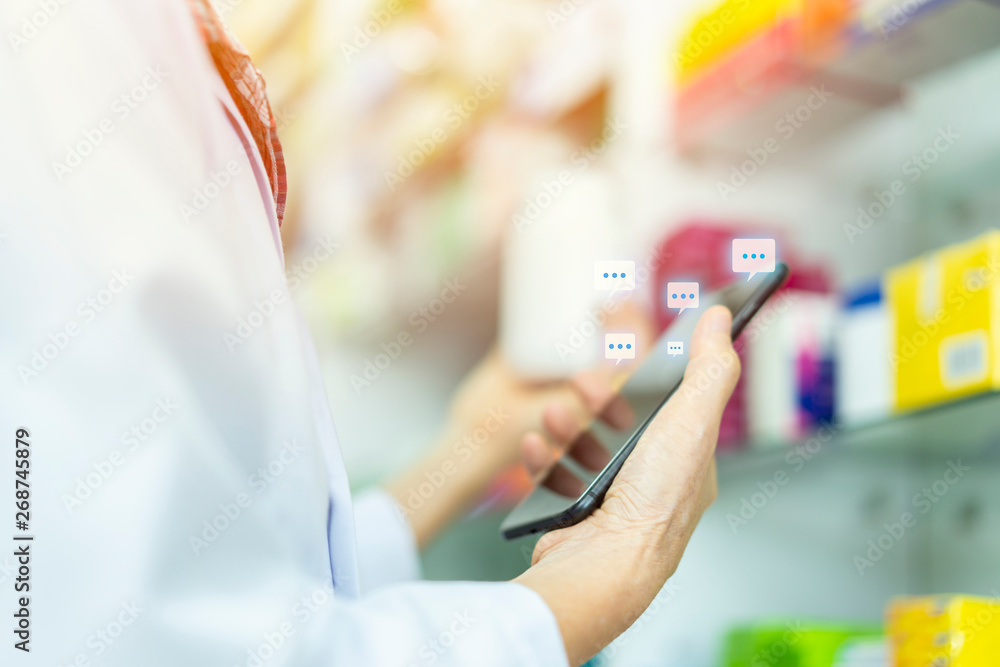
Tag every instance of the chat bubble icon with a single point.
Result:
(675, 348)
(614, 275)
(619, 346)
(753, 256)
(682, 295)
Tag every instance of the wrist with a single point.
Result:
(598, 584)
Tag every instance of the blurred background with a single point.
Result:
(471, 160)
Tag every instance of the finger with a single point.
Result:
(564, 421)
(714, 366)
(537, 453)
(710, 487)
(561, 480)
(593, 393)
(574, 439)
(599, 396)
(571, 410)
(588, 451)
(709, 380)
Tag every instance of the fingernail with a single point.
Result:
(719, 320)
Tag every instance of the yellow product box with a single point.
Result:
(945, 310)
(946, 630)
(724, 27)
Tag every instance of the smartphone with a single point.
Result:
(575, 485)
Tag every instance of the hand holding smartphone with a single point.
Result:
(575, 485)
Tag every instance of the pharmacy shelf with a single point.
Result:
(764, 93)
(968, 428)
(901, 46)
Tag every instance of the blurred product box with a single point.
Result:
(945, 308)
(947, 630)
(730, 25)
(789, 367)
(863, 379)
(791, 644)
(760, 82)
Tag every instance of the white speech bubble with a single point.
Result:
(619, 346)
(675, 348)
(683, 296)
(614, 275)
(753, 256)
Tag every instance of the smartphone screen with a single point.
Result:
(577, 482)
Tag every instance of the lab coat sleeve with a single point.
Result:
(387, 547)
(453, 624)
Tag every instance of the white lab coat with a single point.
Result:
(188, 500)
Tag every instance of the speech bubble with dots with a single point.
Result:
(753, 256)
(683, 295)
(619, 346)
(614, 275)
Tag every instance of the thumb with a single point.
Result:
(710, 377)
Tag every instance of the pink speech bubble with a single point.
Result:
(682, 295)
(753, 256)
(619, 346)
